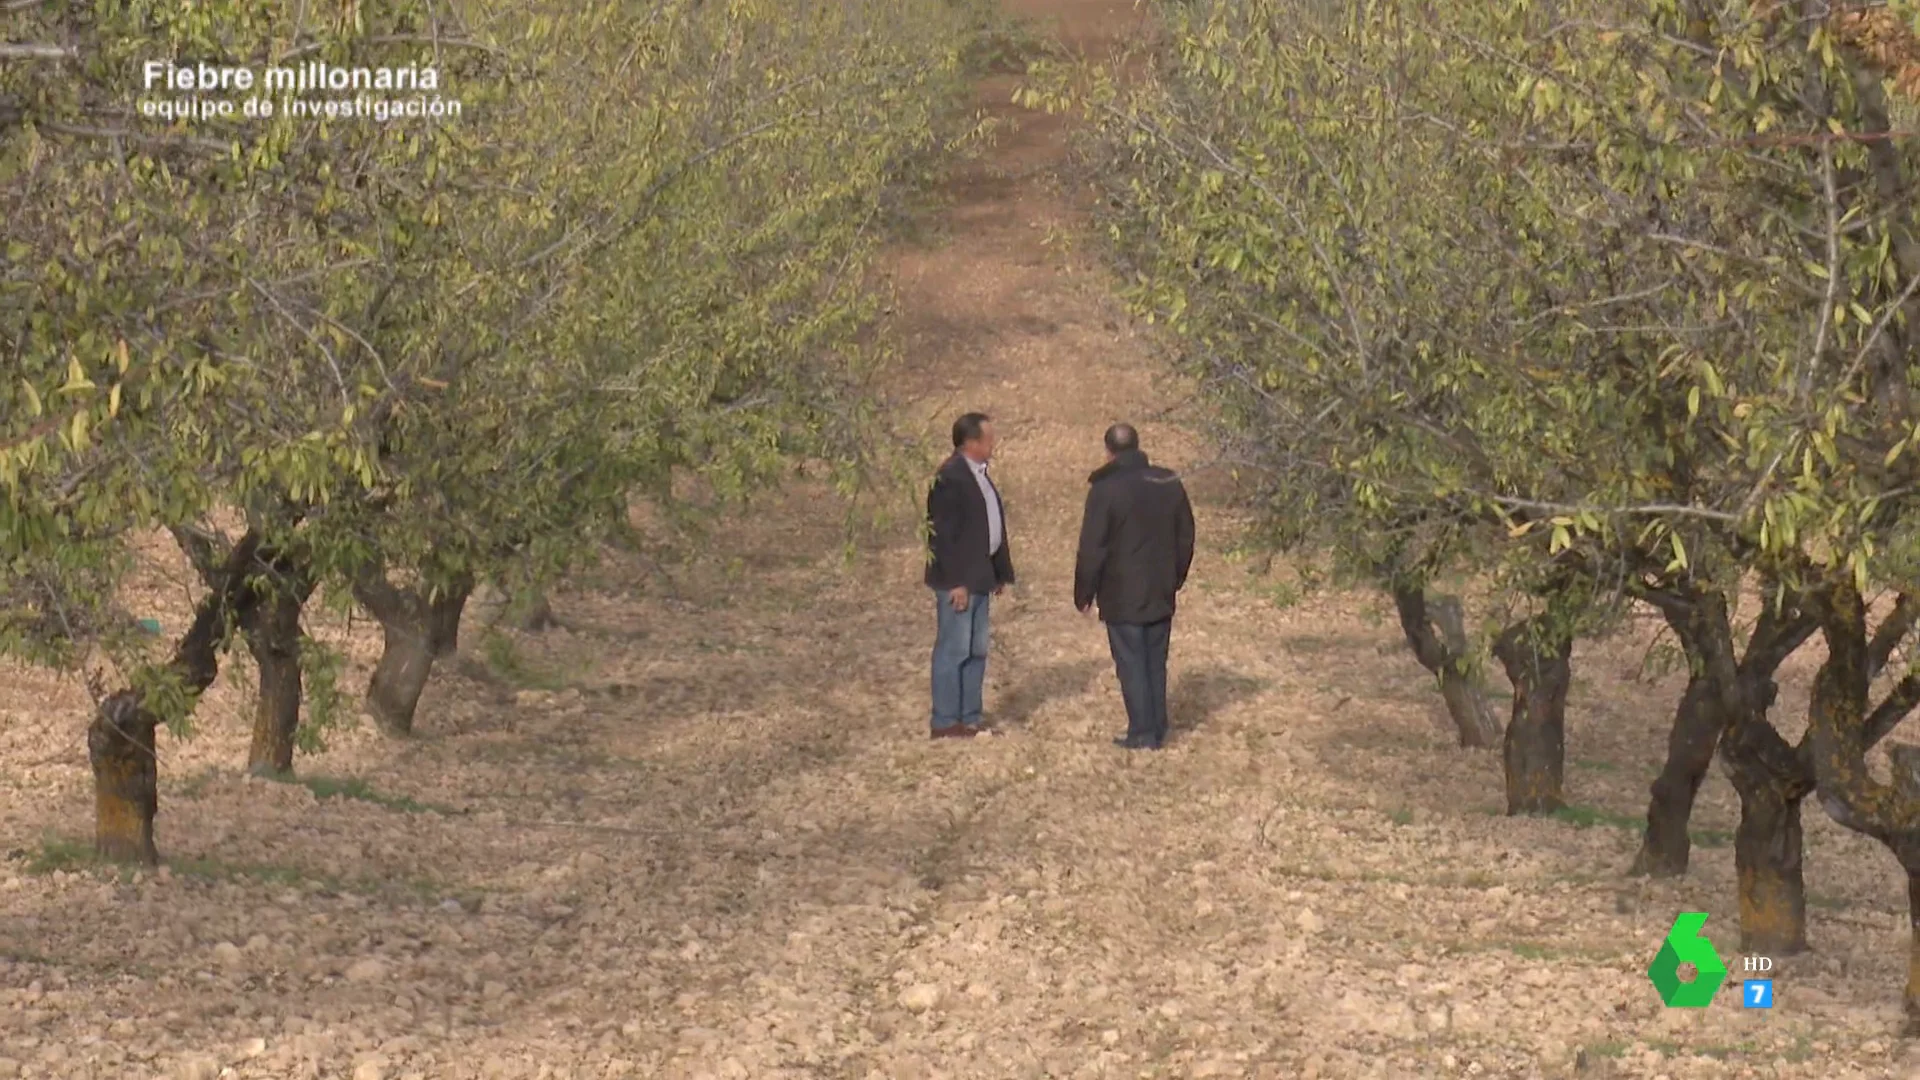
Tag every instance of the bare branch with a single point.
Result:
(1834, 271)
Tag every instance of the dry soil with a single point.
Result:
(701, 832)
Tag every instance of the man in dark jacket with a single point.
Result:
(968, 562)
(1136, 545)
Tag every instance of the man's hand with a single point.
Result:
(958, 596)
(1000, 588)
(1087, 610)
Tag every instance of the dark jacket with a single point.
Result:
(1136, 541)
(957, 516)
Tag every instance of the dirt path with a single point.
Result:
(718, 843)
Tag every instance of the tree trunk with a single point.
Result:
(1913, 954)
(536, 612)
(401, 675)
(416, 631)
(1539, 662)
(272, 626)
(120, 740)
(444, 621)
(1665, 848)
(1766, 856)
(1445, 655)
(126, 779)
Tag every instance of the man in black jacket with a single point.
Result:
(1136, 545)
(968, 562)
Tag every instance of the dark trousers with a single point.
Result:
(1140, 659)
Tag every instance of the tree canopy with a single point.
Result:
(1592, 306)
(410, 356)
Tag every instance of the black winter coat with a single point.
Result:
(1136, 541)
(957, 546)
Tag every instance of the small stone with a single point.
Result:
(253, 1048)
(372, 1068)
(1873, 1046)
(920, 998)
(196, 1068)
(228, 954)
(1309, 922)
(366, 970)
(257, 942)
(1109, 1037)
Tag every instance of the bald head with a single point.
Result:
(1122, 438)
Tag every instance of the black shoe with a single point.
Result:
(1130, 743)
(956, 731)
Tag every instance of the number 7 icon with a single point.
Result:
(1759, 993)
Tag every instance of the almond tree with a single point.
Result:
(408, 359)
(1635, 280)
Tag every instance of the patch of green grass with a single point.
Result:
(1587, 817)
(1401, 816)
(1592, 765)
(1614, 1048)
(1535, 950)
(1717, 1051)
(57, 853)
(352, 787)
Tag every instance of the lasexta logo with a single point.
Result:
(1686, 945)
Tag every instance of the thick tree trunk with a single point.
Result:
(272, 626)
(120, 740)
(1843, 725)
(406, 660)
(126, 779)
(416, 631)
(1913, 954)
(1772, 779)
(1444, 654)
(1539, 663)
(1766, 855)
(1665, 848)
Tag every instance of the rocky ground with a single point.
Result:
(700, 832)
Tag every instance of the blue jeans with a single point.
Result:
(959, 660)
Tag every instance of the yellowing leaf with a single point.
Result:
(76, 377)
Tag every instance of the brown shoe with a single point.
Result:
(957, 731)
